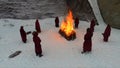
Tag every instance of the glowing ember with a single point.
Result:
(66, 28)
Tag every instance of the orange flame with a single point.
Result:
(67, 24)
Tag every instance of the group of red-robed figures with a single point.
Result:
(87, 45)
(36, 39)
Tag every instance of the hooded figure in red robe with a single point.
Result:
(37, 41)
(87, 45)
(76, 22)
(106, 33)
(56, 22)
(92, 25)
(23, 34)
(37, 26)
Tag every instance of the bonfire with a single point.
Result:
(67, 28)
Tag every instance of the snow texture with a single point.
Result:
(57, 51)
(31, 9)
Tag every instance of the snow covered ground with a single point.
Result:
(57, 51)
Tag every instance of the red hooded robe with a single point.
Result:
(56, 22)
(106, 33)
(37, 26)
(23, 34)
(87, 45)
(37, 41)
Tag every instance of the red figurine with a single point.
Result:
(87, 45)
(56, 22)
(92, 25)
(37, 26)
(37, 41)
(76, 22)
(106, 33)
(23, 34)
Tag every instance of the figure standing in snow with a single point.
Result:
(106, 33)
(92, 25)
(37, 41)
(56, 22)
(37, 26)
(23, 34)
(76, 22)
(87, 45)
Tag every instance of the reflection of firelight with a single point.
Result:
(66, 28)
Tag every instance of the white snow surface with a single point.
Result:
(57, 51)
